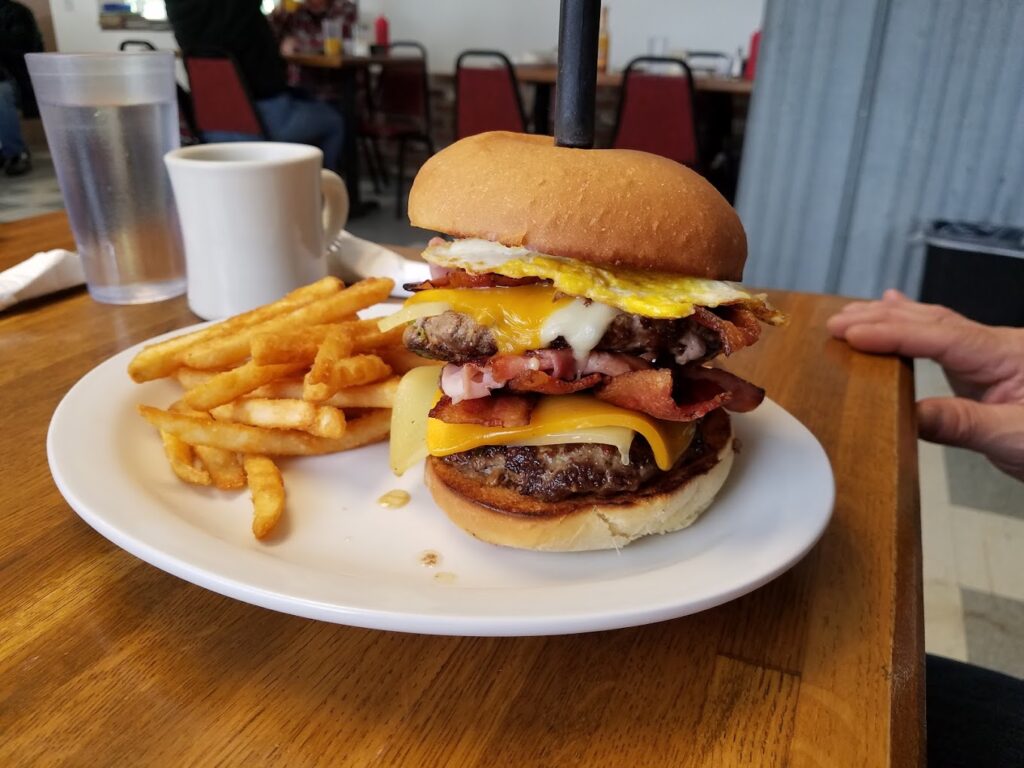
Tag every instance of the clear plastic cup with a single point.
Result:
(330, 30)
(109, 120)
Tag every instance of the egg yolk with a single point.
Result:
(515, 315)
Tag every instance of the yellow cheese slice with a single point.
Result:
(514, 315)
(565, 413)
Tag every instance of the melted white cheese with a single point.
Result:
(581, 324)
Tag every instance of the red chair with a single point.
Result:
(656, 111)
(487, 98)
(750, 65)
(401, 105)
(221, 100)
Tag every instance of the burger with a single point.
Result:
(577, 302)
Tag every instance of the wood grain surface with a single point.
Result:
(105, 660)
(547, 75)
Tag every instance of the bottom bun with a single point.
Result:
(609, 523)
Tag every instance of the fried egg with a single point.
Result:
(651, 294)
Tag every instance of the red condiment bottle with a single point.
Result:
(750, 66)
(381, 31)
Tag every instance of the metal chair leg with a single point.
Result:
(384, 175)
(400, 181)
(371, 165)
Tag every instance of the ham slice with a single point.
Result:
(548, 371)
(494, 411)
(682, 394)
(613, 363)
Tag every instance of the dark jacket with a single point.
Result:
(237, 27)
(19, 34)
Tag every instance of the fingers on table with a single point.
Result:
(893, 307)
(996, 430)
(902, 336)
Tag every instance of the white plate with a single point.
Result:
(342, 558)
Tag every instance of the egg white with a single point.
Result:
(652, 294)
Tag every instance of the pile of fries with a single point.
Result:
(302, 376)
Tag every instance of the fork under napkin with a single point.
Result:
(350, 258)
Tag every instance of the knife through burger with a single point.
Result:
(576, 308)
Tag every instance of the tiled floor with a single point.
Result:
(37, 191)
(973, 538)
(972, 515)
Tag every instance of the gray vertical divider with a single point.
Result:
(870, 119)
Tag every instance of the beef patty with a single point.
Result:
(553, 473)
(457, 338)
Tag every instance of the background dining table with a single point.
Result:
(542, 77)
(106, 660)
(347, 69)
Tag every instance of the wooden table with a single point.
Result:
(544, 76)
(105, 660)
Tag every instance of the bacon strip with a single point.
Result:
(493, 411)
(458, 278)
(737, 327)
(545, 384)
(685, 394)
(744, 396)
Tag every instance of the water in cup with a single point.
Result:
(109, 119)
(110, 164)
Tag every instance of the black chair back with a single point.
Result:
(186, 114)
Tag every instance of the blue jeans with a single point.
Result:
(11, 142)
(975, 715)
(303, 121)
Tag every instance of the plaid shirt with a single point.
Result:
(305, 28)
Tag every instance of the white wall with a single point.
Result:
(76, 24)
(517, 27)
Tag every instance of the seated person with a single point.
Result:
(301, 31)
(14, 157)
(239, 27)
(19, 34)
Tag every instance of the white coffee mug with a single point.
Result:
(255, 220)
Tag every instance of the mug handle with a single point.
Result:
(335, 205)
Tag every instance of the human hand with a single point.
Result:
(289, 46)
(984, 366)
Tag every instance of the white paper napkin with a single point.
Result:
(46, 272)
(352, 258)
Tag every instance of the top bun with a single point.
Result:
(610, 207)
